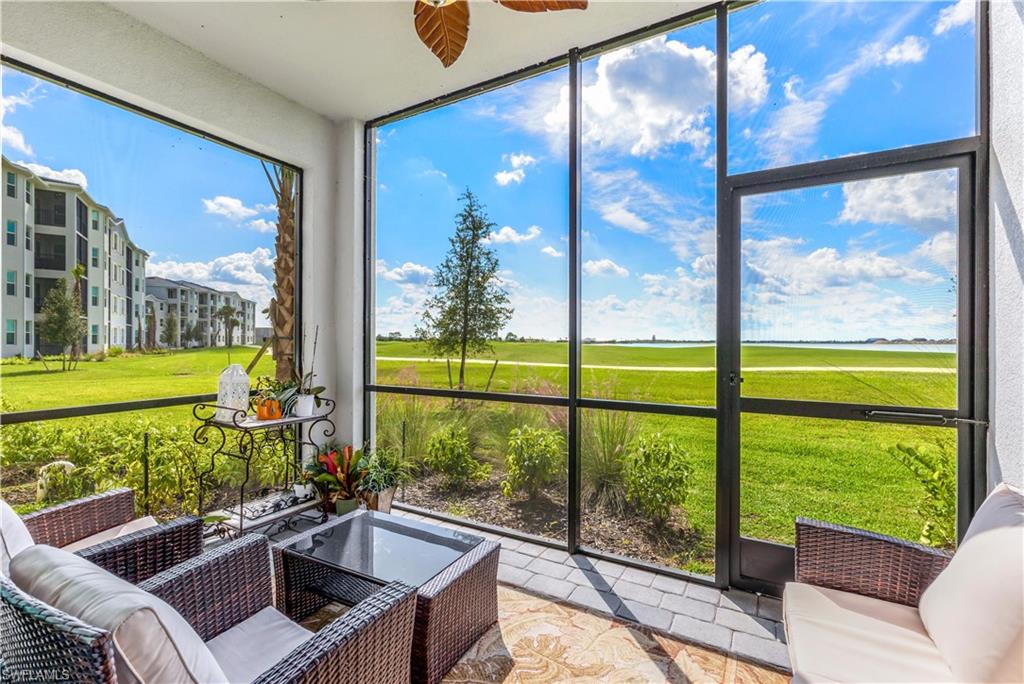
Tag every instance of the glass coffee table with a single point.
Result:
(349, 558)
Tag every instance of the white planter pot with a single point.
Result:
(302, 491)
(305, 405)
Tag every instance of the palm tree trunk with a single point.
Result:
(282, 306)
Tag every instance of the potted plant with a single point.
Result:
(336, 474)
(268, 405)
(384, 471)
(306, 396)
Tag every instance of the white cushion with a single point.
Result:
(835, 636)
(253, 646)
(974, 610)
(152, 642)
(112, 533)
(14, 536)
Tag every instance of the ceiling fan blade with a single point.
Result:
(542, 5)
(444, 29)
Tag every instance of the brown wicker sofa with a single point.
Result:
(225, 595)
(103, 529)
(867, 607)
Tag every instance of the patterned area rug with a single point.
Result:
(540, 641)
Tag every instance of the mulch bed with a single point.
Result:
(627, 535)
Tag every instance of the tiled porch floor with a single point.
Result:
(738, 622)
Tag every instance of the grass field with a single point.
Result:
(835, 470)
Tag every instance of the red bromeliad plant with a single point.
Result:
(336, 473)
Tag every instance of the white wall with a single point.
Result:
(100, 47)
(1006, 436)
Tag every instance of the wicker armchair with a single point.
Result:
(135, 556)
(215, 592)
(865, 563)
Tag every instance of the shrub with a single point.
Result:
(449, 454)
(59, 481)
(934, 466)
(606, 438)
(115, 351)
(404, 424)
(657, 476)
(533, 461)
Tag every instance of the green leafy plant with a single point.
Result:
(404, 423)
(657, 476)
(534, 460)
(934, 466)
(59, 481)
(115, 351)
(383, 469)
(450, 455)
(606, 439)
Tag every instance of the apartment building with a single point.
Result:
(197, 307)
(49, 227)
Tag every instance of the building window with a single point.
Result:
(12, 283)
(95, 257)
(51, 209)
(51, 252)
(28, 238)
(28, 332)
(136, 284)
(28, 192)
(12, 185)
(12, 233)
(95, 295)
(95, 334)
(28, 286)
(95, 220)
(12, 331)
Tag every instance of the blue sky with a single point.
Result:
(201, 210)
(807, 82)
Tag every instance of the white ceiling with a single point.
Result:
(363, 59)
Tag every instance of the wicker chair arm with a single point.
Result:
(220, 588)
(372, 642)
(865, 563)
(70, 521)
(40, 643)
(140, 555)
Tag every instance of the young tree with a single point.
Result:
(60, 321)
(168, 336)
(468, 308)
(138, 333)
(281, 311)
(227, 315)
(77, 273)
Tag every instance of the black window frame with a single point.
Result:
(51, 210)
(969, 155)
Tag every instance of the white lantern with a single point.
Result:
(232, 392)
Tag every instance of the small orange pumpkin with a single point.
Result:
(268, 409)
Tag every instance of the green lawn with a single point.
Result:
(125, 378)
(835, 470)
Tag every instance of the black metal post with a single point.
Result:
(575, 317)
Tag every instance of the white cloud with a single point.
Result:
(652, 95)
(793, 127)
(940, 249)
(517, 173)
(504, 178)
(263, 226)
(229, 207)
(408, 272)
(604, 267)
(910, 50)
(748, 78)
(76, 176)
(15, 140)
(552, 252)
(250, 274)
(958, 14)
(11, 136)
(509, 235)
(618, 215)
(925, 201)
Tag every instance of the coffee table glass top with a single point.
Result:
(385, 547)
